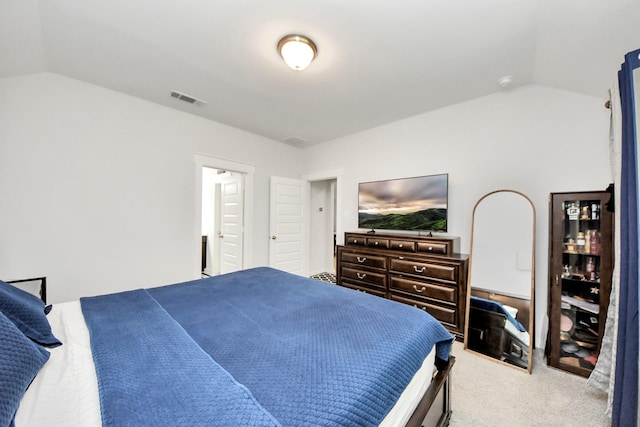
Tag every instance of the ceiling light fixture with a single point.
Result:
(297, 51)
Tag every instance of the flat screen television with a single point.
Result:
(408, 204)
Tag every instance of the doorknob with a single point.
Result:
(273, 237)
(220, 236)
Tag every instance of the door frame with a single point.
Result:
(331, 174)
(248, 171)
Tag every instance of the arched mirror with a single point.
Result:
(500, 299)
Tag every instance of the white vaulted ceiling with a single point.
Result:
(378, 61)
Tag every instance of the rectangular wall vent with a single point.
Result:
(186, 98)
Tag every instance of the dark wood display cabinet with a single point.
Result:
(580, 271)
(426, 272)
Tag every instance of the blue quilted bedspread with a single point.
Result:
(150, 373)
(290, 350)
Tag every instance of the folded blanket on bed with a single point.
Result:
(150, 373)
(310, 353)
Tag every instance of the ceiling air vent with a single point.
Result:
(186, 98)
(295, 141)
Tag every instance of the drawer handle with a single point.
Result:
(355, 240)
(375, 243)
(400, 245)
(361, 275)
(419, 270)
(421, 290)
(430, 248)
(361, 260)
(421, 308)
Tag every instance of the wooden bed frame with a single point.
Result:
(434, 409)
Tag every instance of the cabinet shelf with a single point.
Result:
(578, 279)
(584, 305)
(579, 253)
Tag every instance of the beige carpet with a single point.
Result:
(485, 393)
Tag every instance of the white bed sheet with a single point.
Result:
(410, 397)
(65, 391)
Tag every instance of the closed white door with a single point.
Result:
(289, 219)
(231, 224)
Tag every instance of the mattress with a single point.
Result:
(65, 391)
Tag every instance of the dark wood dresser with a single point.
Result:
(426, 272)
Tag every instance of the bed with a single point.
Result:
(255, 347)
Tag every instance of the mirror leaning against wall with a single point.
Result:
(500, 298)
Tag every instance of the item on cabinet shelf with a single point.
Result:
(425, 272)
(570, 347)
(580, 243)
(586, 213)
(503, 230)
(594, 242)
(591, 269)
(573, 212)
(584, 305)
(587, 243)
(570, 246)
(566, 324)
(579, 280)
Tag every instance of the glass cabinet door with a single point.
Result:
(581, 263)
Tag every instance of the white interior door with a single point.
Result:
(231, 223)
(289, 219)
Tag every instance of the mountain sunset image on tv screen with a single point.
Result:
(412, 204)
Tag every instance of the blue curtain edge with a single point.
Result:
(625, 399)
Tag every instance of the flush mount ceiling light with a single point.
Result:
(297, 51)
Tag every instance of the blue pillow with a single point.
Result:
(27, 312)
(20, 359)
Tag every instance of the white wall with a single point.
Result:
(97, 189)
(534, 139)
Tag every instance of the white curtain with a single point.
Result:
(603, 376)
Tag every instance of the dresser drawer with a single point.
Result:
(443, 314)
(444, 293)
(364, 260)
(425, 269)
(364, 277)
(355, 240)
(378, 243)
(366, 290)
(402, 245)
(436, 248)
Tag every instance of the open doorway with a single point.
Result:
(223, 215)
(323, 227)
(222, 221)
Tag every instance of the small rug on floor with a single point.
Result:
(325, 277)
